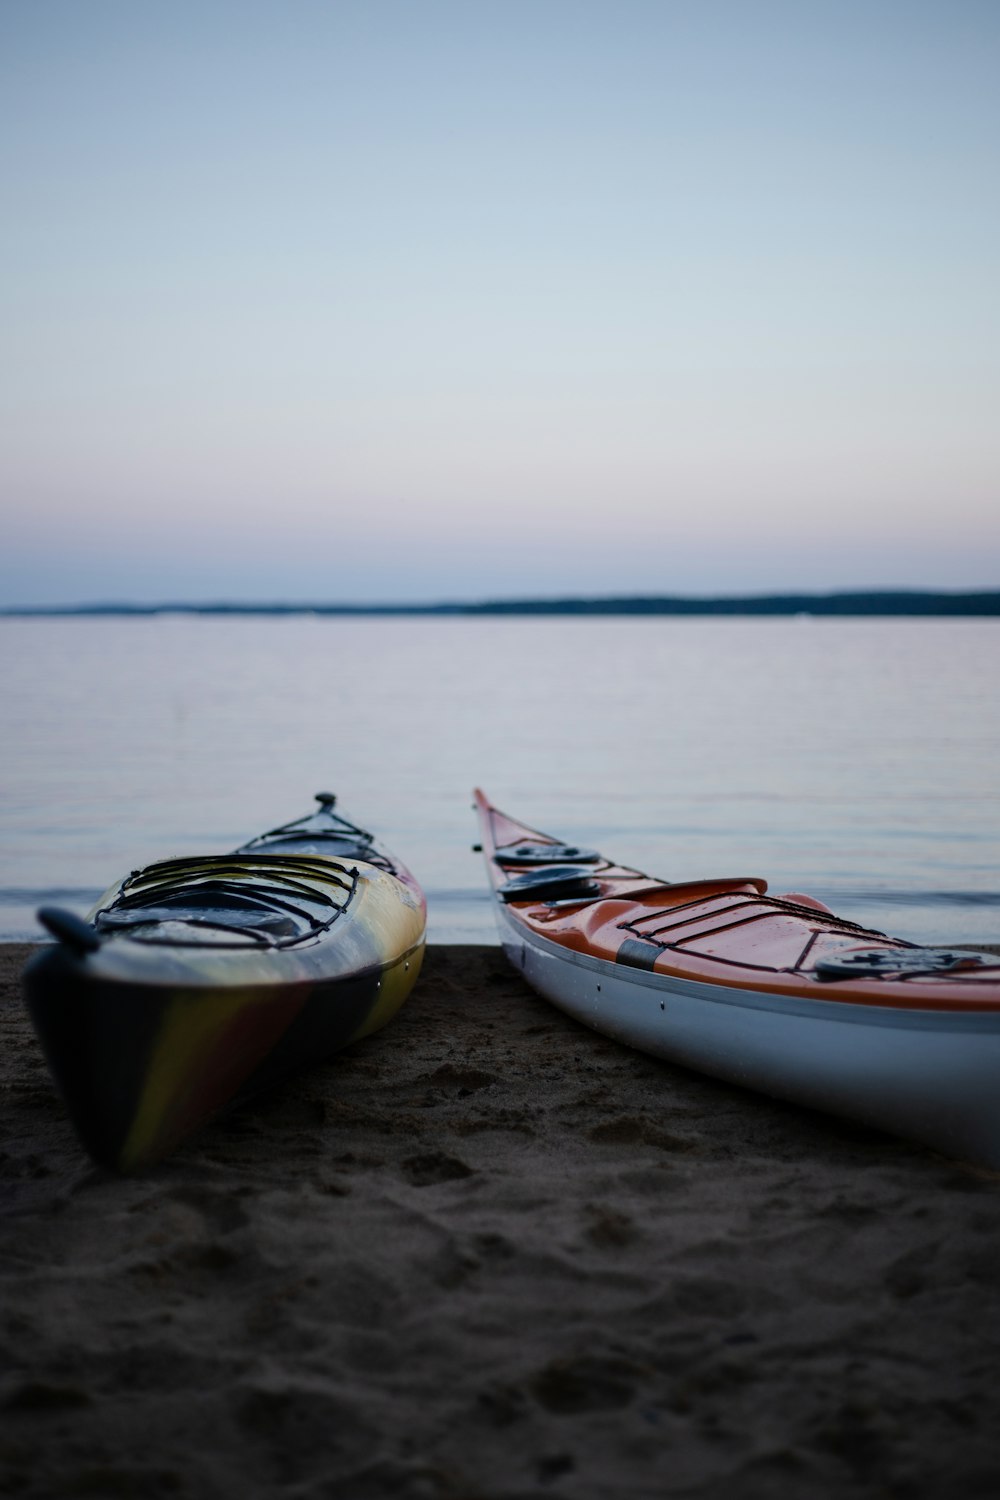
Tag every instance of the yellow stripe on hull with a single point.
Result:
(189, 1043)
(394, 986)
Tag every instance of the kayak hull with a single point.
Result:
(139, 1068)
(929, 1072)
(147, 1040)
(914, 1074)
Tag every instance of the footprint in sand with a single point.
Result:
(434, 1166)
(585, 1383)
(459, 1081)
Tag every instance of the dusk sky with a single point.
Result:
(413, 300)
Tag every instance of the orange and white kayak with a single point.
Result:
(776, 993)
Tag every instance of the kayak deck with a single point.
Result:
(728, 932)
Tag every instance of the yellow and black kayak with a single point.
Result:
(196, 983)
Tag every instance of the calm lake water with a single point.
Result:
(855, 759)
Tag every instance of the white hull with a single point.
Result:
(929, 1075)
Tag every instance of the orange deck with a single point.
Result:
(723, 932)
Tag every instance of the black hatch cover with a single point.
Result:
(545, 854)
(552, 884)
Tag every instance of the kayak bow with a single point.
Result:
(773, 992)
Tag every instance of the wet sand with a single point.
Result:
(488, 1253)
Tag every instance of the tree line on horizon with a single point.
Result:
(872, 602)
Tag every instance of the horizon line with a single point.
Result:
(899, 601)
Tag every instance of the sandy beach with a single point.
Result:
(490, 1255)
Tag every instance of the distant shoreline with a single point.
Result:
(912, 602)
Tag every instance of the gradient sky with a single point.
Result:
(414, 299)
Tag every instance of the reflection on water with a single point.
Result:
(855, 759)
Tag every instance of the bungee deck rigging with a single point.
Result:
(327, 831)
(687, 919)
(269, 899)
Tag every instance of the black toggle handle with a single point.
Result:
(67, 928)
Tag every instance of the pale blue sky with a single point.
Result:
(389, 299)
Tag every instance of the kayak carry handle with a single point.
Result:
(70, 929)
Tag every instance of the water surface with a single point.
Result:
(856, 759)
